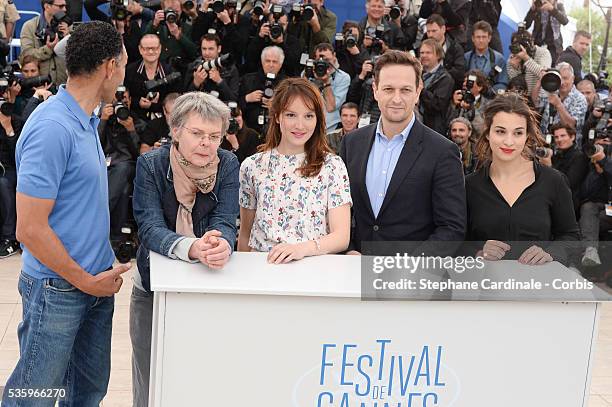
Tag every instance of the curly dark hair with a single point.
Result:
(90, 45)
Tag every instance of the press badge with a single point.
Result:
(260, 120)
(304, 58)
(609, 209)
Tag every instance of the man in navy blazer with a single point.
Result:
(406, 179)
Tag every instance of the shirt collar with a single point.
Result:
(435, 68)
(404, 133)
(66, 98)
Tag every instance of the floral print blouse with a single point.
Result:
(290, 208)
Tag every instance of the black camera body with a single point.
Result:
(276, 29)
(377, 36)
(524, 38)
(119, 10)
(217, 6)
(35, 82)
(120, 109)
(269, 85)
(126, 249)
(395, 12)
(466, 93)
(320, 67)
(52, 30)
(258, 8)
(153, 86)
(302, 12)
(170, 16)
(309, 70)
(233, 123)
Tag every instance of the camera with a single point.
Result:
(126, 249)
(346, 39)
(153, 86)
(224, 61)
(543, 152)
(320, 67)
(189, 4)
(119, 10)
(217, 6)
(6, 107)
(233, 123)
(52, 29)
(170, 16)
(309, 70)
(551, 81)
(377, 35)
(589, 147)
(304, 12)
(120, 110)
(395, 11)
(269, 86)
(258, 8)
(466, 93)
(522, 37)
(276, 30)
(35, 82)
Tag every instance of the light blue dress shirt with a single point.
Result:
(382, 161)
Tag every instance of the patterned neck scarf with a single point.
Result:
(188, 180)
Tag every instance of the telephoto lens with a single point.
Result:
(217, 6)
(170, 16)
(307, 12)
(269, 86)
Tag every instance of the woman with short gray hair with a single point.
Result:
(185, 205)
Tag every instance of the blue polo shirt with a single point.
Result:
(59, 157)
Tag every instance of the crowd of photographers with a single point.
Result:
(239, 50)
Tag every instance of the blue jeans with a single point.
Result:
(64, 341)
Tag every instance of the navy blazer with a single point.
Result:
(425, 199)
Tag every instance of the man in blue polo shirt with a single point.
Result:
(67, 283)
(485, 59)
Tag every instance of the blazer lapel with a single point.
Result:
(364, 153)
(410, 153)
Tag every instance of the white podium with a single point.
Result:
(298, 335)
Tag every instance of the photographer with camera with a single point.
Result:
(526, 58)
(350, 56)
(157, 132)
(257, 88)
(558, 100)
(376, 27)
(574, 53)
(453, 52)
(547, 17)
(273, 31)
(596, 191)
(567, 158)
(10, 128)
(332, 82)
(312, 24)
(212, 72)
(490, 62)
(147, 103)
(223, 17)
(407, 18)
(239, 139)
(361, 93)
(119, 131)
(489, 11)
(40, 35)
(460, 131)
(173, 33)
(438, 86)
(470, 101)
(595, 106)
(34, 88)
(455, 13)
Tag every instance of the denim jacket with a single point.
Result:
(156, 206)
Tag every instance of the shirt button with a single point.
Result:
(388, 149)
(380, 194)
(375, 228)
(384, 172)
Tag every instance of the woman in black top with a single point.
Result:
(512, 198)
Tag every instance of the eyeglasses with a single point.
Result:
(150, 49)
(201, 136)
(59, 5)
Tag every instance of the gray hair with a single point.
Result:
(462, 120)
(273, 48)
(564, 65)
(206, 106)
